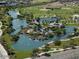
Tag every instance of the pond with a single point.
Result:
(25, 43)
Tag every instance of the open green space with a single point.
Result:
(37, 11)
(22, 54)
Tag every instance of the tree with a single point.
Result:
(34, 52)
(15, 38)
(72, 43)
(47, 47)
(57, 43)
(28, 16)
(75, 29)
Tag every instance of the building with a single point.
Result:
(14, 2)
(49, 20)
(4, 3)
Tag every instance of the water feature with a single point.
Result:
(17, 23)
(26, 43)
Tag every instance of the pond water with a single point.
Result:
(26, 43)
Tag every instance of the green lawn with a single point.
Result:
(63, 13)
(72, 24)
(40, 1)
(7, 38)
(22, 54)
(66, 43)
(69, 22)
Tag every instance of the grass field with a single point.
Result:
(65, 13)
(40, 1)
(22, 54)
(37, 12)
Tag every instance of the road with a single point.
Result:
(70, 54)
(3, 53)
